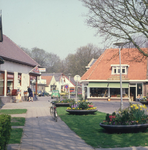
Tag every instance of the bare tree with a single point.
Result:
(50, 61)
(75, 63)
(119, 19)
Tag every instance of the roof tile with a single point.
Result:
(9, 50)
(101, 69)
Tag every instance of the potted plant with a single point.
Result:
(131, 119)
(81, 107)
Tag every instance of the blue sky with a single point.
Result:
(56, 26)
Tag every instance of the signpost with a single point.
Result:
(77, 78)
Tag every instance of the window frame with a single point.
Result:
(117, 68)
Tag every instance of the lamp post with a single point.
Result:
(69, 85)
(120, 45)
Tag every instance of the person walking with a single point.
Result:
(30, 94)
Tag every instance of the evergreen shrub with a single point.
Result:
(5, 130)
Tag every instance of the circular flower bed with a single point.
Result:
(131, 119)
(65, 102)
(81, 107)
(144, 100)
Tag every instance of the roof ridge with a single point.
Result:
(97, 63)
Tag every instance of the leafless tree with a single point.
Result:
(50, 61)
(119, 20)
(76, 63)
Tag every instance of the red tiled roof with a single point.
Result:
(101, 69)
(10, 51)
(48, 79)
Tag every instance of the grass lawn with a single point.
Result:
(88, 128)
(15, 136)
(17, 121)
(13, 111)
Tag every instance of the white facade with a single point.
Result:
(15, 69)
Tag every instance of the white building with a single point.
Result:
(17, 70)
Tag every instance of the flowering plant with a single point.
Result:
(82, 105)
(134, 114)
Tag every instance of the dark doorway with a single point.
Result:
(133, 93)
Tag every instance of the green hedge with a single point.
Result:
(5, 130)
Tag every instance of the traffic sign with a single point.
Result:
(77, 78)
(66, 86)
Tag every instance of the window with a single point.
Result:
(123, 70)
(116, 69)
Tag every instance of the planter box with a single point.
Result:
(124, 128)
(81, 112)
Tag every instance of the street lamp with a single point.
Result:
(120, 45)
(69, 85)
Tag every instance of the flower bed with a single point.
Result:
(131, 119)
(81, 107)
(144, 100)
(65, 102)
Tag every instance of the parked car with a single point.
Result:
(43, 94)
(46, 94)
(55, 94)
(63, 93)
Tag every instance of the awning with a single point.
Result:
(98, 85)
(117, 85)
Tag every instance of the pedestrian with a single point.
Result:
(30, 94)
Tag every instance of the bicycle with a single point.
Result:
(53, 111)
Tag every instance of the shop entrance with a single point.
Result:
(133, 93)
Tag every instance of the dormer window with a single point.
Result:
(116, 69)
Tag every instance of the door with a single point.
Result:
(133, 93)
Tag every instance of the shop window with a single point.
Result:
(10, 83)
(98, 92)
(1, 83)
(115, 92)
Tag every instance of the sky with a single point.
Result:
(56, 26)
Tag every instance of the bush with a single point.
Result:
(5, 130)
